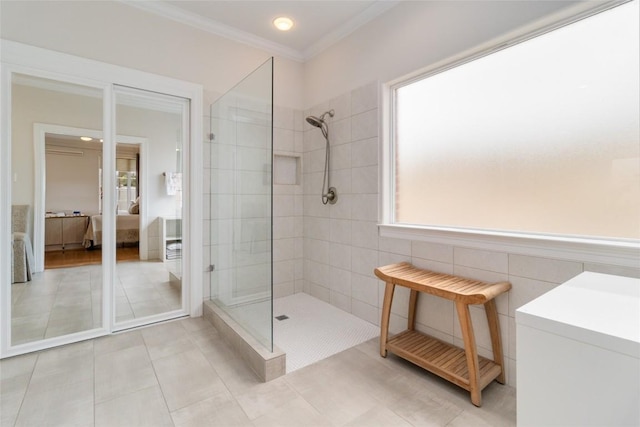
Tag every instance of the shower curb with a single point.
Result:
(267, 365)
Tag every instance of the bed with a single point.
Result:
(127, 230)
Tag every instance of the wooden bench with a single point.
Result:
(462, 367)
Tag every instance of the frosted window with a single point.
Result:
(541, 137)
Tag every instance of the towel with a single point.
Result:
(173, 182)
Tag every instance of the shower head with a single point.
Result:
(319, 121)
(329, 194)
(314, 121)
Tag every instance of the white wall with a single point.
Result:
(115, 33)
(72, 180)
(411, 36)
(34, 105)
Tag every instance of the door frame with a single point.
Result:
(43, 63)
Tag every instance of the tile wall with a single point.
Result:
(342, 246)
(287, 199)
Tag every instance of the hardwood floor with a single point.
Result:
(76, 257)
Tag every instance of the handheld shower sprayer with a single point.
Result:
(329, 193)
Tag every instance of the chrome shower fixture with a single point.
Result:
(329, 193)
(319, 122)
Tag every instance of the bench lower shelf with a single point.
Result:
(440, 358)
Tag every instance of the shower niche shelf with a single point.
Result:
(286, 169)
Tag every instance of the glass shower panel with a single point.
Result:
(240, 203)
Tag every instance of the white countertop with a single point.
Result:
(598, 309)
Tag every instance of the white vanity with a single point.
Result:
(578, 352)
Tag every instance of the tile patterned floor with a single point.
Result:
(181, 373)
(66, 300)
(309, 333)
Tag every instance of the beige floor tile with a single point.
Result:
(420, 410)
(297, 412)
(28, 328)
(15, 374)
(208, 341)
(235, 373)
(75, 287)
(68, 321)
(36, 288)
(66, 405)
(9, 406)
(187, 378)
(183, 373)
(72, 301)
(123, 371)
(339, 401)
(17, 289)
(149, 307)
(264, 397)
(33, 305)
(144, 408)
(167, 339)
(117, 342)
(219, 410)
(469, 418)
(141, 294)
(198, 327)
(61, 373)
(379, 417)
(498, 406)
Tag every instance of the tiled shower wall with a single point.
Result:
(287, 201)
(342, 247)
(287, 204)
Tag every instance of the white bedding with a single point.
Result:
(127, 230)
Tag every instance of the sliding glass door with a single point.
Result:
(56, 159)
(148, 227)
(97, 167)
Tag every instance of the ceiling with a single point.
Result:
(317, 23)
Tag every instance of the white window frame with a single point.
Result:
(618, 252)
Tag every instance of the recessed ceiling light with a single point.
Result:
(283, 23)
(86, 138)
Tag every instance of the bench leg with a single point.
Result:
(471, 352)
(413, 300)
(386, 313)
(496, 339)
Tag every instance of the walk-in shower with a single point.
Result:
(329, 193)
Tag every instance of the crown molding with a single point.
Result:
(369, 14)
(176, 14)
(188, 18)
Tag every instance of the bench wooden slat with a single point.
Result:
(447, 286)
(463, 367)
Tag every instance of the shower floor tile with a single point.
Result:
(315, 330)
